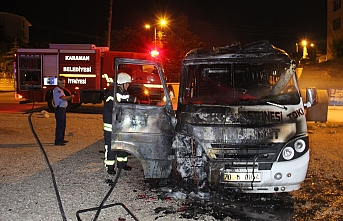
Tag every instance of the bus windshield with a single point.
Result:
(240, 84)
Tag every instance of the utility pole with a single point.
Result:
(109, 28)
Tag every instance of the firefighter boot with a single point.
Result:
(110, 170)
(127, 168)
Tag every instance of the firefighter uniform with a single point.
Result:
(110, 156)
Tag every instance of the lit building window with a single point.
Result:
(336, 5)
(336, 24)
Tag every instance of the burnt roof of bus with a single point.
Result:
(260, 50)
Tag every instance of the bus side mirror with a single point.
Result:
(311, 97)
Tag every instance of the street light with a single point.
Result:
(161, 23)
(304, 43)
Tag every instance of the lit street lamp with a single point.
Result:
(162, 23)
(304, 43)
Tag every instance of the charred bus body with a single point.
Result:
(240, 123)
(235, 123)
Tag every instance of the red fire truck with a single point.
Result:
(88, 71)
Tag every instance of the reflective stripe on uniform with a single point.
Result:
(109, 162)
(121, 97)
(122, 159)
(107, 127)
(106, 161)
(109, 98)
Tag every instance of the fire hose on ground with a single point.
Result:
(98, 209)
(102, 206)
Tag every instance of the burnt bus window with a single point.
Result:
(238, 84)
(30, 72)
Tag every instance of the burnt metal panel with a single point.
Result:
(146, 131)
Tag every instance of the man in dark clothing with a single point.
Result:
(122, 96)
(61, 103)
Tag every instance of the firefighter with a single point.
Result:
(122, 96)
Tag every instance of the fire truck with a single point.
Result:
(87, 69)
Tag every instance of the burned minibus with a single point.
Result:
(240, 122)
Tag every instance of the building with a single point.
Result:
(334, 24)
(15, 27)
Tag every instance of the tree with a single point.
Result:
(6, 63)
(127, 40)
(178, 41)
(4, 42)
(7, 55)
(173, 44)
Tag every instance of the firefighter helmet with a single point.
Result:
(123, 78)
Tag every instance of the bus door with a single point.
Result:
(142, 128)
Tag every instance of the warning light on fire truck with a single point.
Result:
(154, 53)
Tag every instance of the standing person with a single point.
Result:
(61, 103)
(122, 96)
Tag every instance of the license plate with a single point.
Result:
(229, 177)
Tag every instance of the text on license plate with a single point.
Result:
(242, 176)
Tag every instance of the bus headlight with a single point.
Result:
(288, 153)
(278, 176)
(299, 145)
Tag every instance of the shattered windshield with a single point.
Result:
(240, 84)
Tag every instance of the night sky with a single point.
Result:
(217, 22)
